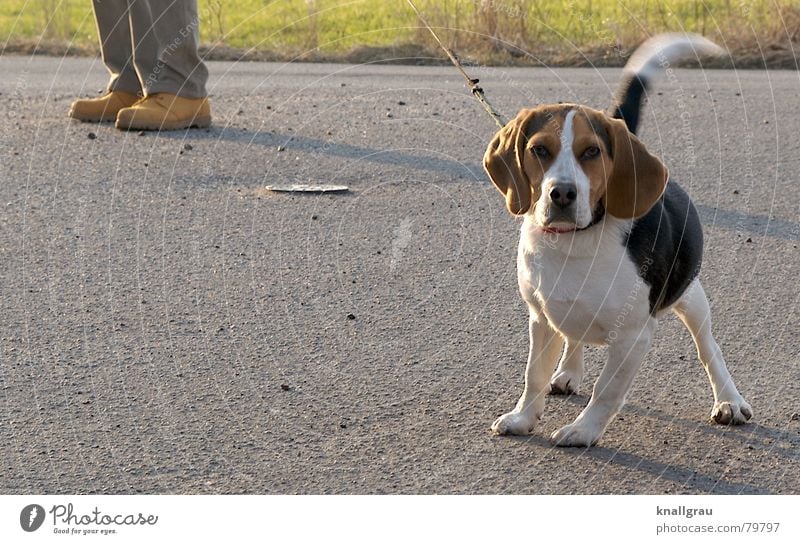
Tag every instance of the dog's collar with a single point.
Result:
(597, 216)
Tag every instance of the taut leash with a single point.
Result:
(476, 90)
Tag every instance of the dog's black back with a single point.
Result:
(667, 242)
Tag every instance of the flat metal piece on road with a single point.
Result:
(307, 188)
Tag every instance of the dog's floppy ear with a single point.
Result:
(637, 179)
(503, 161)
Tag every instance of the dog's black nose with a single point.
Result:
(563, 194)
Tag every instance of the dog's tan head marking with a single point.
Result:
(554, 146)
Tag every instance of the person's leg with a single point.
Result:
(123, 88)
(165, 37)
(115, 44)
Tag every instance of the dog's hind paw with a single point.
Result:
(515, 422)
(565, 383)
(732, 413)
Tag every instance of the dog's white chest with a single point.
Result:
(584, 284)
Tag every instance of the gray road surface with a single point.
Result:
(166, 326)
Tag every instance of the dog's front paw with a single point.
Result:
(578, 435)
(517, 423)
(565, 383)
(732, 413)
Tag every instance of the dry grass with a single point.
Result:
(570, 32)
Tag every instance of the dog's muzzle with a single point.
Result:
(561, 203)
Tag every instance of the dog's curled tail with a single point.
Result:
(657, 53)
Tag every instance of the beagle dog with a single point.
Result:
(608, 245)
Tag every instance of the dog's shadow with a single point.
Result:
(685, 476)
(753, 436)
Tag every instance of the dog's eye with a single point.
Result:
(540, 151)
(590, 152)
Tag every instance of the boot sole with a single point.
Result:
(197, 122)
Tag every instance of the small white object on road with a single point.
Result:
(307, 188)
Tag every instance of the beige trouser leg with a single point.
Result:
(115, 44)
(164, 34)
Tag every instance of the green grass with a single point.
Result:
(484, 29)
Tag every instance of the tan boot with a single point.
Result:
(162, 111)
(104, 108)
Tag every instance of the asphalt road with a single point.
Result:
(167, 326)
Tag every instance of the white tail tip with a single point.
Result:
(662, 50)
